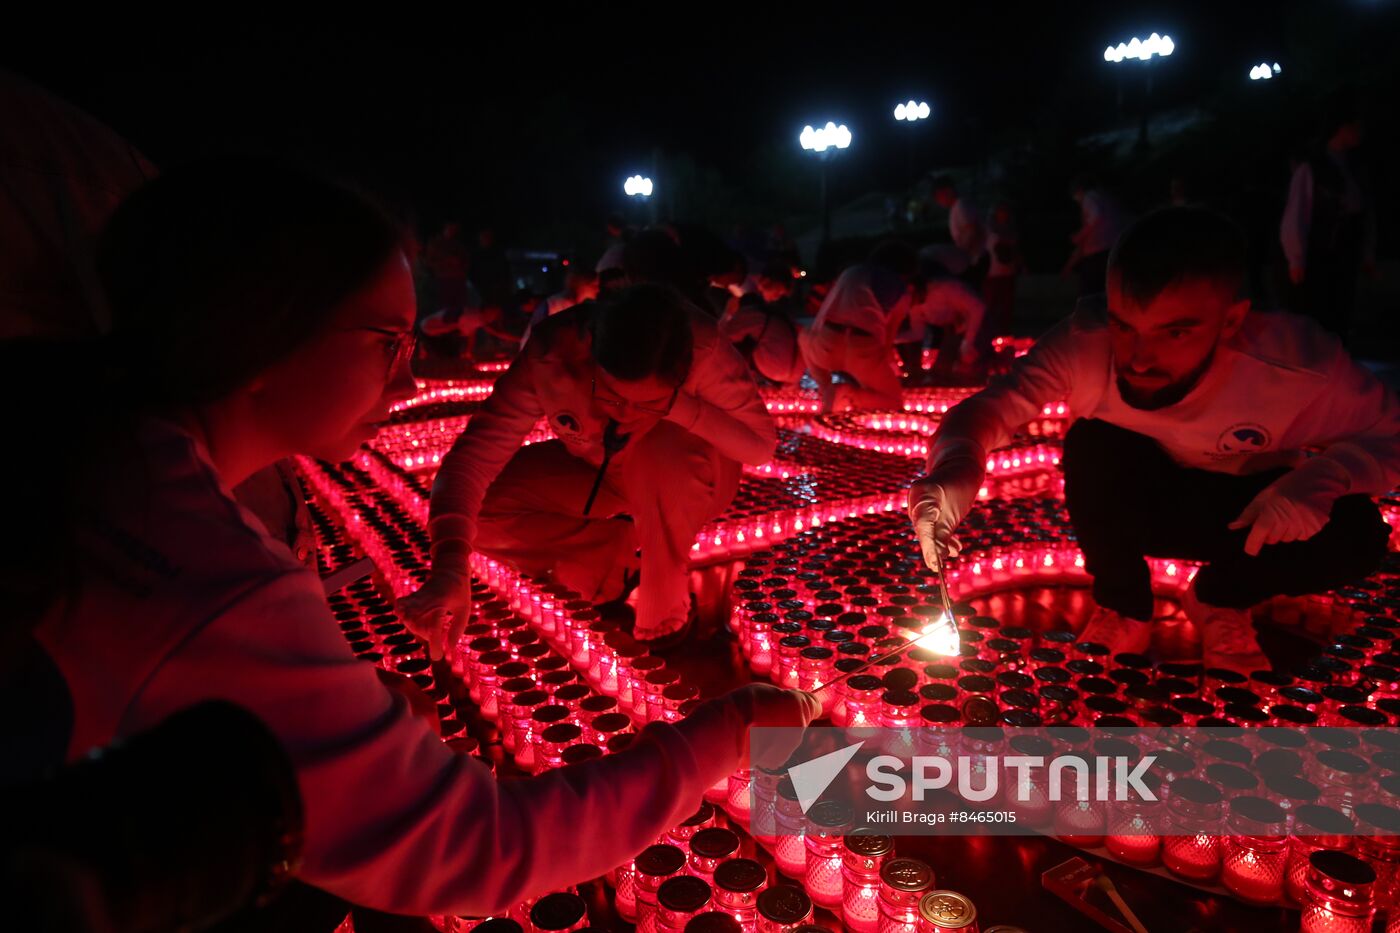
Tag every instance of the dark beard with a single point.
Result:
(1166, 396)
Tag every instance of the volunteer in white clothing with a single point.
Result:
(1192, 412)
(854, 332)
(653, 413)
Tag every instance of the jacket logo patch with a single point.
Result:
(566, 424)
(1246, 437)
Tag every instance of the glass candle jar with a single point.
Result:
(830, 821)
(554, 740)
(782, 909)
(1134, 826)
(680, 836)
(1256, 850)
(858, 701)
(712, 921)
(737, 885)
(558, 913)
(785, 664)
(1191, 848)
(947, 912)
(864, 855)
(814, 667)
(653, 867)
(522, 712)
(708, 848)
(899, 709)
(736, 801)
(1380, 846)
(1338, 896)
(678, 900)
(903, 883)
(1315, 829)
(1078, 822)
(654, 684)
(789, 848)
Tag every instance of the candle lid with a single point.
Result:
(683, 894)
(828, 815)
(979, 711)
(553, 713)
(610, 722)
(561, 732)
(579, 693)
(870, 845)
(660, 860)
(580, 752)
(530, 698)
(713, 921)
(1345, 762)
(864, 683)
(1231, 777)
(715, 842)
(907, 874)
(740, 875)
(1255, 813)
(900, 679)
(1326, 821)
(784, 904)
(558, 911)
(1294, 714)
(947, 910)
(1341, 874)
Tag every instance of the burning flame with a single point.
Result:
(940, 637)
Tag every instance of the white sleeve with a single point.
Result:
(1297, 217)
(395, 820)
(989, 419)
(492, 437)
(1355, 419)
(721, 404)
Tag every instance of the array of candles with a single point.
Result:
(832, 580)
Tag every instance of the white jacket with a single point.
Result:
(552, 378)
(1279, 385)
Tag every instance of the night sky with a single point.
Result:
(523, 118)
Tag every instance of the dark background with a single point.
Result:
(529, 116)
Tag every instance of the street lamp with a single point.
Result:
(1142, 50)
(825, 142)
(911, 112)
(1264, 71)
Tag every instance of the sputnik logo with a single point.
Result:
(811, 778)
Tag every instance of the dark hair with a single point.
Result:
(897, 256)
(1178, 244)
(644, 331)
(776, 269)
(1084, 181)
(653, 256)
(941, 182)
(213, 272)
(219, 269)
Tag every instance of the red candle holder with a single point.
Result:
(903, 883)
(738, 882)
(1256, 851)
(1338, 895)
(679, 900)
(863, 857)
(1191, 848)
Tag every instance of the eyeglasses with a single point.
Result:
(400, 350)
(616, 404)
